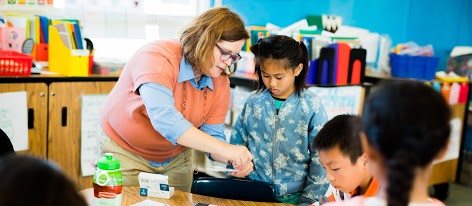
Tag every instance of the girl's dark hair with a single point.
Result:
(27, 180)
(279, 47)
(408, 123)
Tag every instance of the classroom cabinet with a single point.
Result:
(54, 119)
(446, 171)
(64, 125)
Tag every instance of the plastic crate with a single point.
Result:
(15, 64)
(417, 67)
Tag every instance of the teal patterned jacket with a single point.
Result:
(281, 143)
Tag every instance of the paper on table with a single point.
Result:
(221, 169)
(13, 118)
(150, 203)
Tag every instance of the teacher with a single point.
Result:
(174, 95)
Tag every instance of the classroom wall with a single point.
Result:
(444, 24)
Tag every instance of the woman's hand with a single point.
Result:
(239, 156)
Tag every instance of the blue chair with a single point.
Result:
(236, 189)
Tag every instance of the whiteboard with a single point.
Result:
(91, 133)
(341, 99)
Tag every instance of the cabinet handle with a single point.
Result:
(30, 118)
(64, 116)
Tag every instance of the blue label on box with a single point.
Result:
(143, 191)
(164, 187)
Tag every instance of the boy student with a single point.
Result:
(340, 152)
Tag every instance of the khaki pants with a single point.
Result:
(179, 170)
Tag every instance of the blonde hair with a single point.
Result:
(198, 39)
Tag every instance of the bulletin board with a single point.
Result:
(341, 99)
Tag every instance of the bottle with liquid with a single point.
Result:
(108, 182)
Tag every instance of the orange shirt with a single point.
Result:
(371, 191)
(125, 119)
(374, 201)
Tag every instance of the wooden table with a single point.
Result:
(131, 196)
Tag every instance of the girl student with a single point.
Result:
(406, 127)
(279, 121)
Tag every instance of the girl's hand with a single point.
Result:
(240, 158)
(244, 170)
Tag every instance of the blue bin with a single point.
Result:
(430, 68)
(399, 65)
(416, 67)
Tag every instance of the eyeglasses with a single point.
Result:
(226, 55)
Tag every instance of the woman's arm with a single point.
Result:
(237, 138)
(171, 124)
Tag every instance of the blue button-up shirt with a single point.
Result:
(165, 118)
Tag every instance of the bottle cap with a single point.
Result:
(108, 162)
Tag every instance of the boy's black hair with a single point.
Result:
(341, 132)
(279, 47)
(407, 122)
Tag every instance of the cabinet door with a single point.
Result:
(445, 172)
(64, 125)
(37, 102)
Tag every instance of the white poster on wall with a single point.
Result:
(91, 133)
(13, 118)
(341, 99)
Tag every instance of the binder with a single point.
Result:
(325, 69)
(66, 61)
(311, 73)
(41, 51)
(357, 66)
(334, 72)
(344, 51)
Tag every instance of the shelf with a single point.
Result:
(243, 79)
(7, 8)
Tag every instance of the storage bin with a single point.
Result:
(417, 67)
(65, 61)
(15, 64)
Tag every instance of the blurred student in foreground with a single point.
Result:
(27, 180)
(6, 147)
(406, 126)
(339, 147)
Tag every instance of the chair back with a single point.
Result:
(236, 189)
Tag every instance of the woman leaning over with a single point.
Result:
(172, 96)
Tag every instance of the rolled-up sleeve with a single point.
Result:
(215, 130)
(164, 117)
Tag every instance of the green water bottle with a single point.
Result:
(107, 182)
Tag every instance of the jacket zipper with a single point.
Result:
(275, 138)
(273, 147)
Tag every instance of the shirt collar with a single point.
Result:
(186, 73)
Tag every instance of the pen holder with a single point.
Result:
(65, 61)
